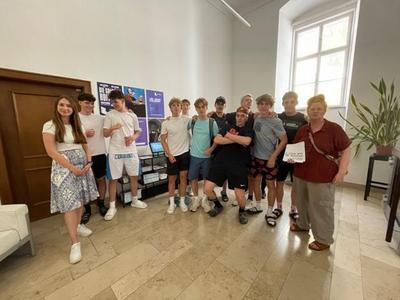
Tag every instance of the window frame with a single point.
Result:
(320, 21)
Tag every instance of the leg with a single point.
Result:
(195, 187)
(224, 196)
(113, 194)
(171, 193)
(241, 198)
(251, 187)
(182, 190)
(212, 196)
(71, 219)
(300, 186)
(263, 185)
(101, 183)
(257, 187)
(279, 192)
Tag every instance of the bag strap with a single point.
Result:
(211, 129)
(327, 156)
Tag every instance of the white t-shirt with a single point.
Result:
(96, 143)
(130, 124)
(69, 143)
(178, 137)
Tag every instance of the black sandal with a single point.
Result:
(277, 212)
(294, 215)
(271, 221)
(224, 197)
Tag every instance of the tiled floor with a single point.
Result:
(147, 254)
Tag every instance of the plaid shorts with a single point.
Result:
(259, 167)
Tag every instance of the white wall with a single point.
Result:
(181, 47)
(255, 54)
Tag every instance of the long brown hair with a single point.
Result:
(75, 122)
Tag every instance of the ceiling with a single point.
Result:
(244, 6)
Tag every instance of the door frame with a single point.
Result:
(6, 194)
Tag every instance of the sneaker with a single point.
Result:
(84, 231)
(110, 214)
(102, 208)
(138, 204)
(183, 206)
(235, 203)
(216, 211)
(224, 196)
(171, 208)
(205, 204)
(75, 254)
(243, 217)
(195, 204)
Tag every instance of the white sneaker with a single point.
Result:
(110, 214)
(75, 255)
(183, 206)
(171, 208)
(235, 203)
(138, 204)
(205, 204)
(84, 231)
(195, 204)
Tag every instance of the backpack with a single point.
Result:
(210, 127)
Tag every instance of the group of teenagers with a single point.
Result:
(242, 150)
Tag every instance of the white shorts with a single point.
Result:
(117, 162)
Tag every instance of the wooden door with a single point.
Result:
(26, 103)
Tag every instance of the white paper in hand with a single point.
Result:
(295, 152)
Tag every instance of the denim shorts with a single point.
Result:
(198, 166)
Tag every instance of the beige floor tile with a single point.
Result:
(94, 281)
(349, 230)
(106, 294)
(129, 283)
(345, 285)
(306, 281)
(347, 256)
(167, 284)
(380, 281)
(384, 254)
(217, 282)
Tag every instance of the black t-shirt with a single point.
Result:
(292, 124)
(220, 120)
(234, 153)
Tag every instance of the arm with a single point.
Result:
(163, 139)
(282, 144)
(220, 140)
(107, 132)
(344, 163)
(209, 150)
(133, 137)
(51, 150)
(242, 140)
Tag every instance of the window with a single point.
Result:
(321, 55)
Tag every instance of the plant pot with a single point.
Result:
(384, 150)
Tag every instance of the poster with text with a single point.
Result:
(102, 90)
(155, 104)
(135, 100)
(142, 139)
(154, 129)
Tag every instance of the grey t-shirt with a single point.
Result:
(267, 132)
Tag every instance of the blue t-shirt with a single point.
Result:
(267, 132)
(201, 137)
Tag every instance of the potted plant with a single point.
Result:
(380, 128)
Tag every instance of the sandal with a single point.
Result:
(317, 246)
(271, 221)
(224, 196)
(254, 210)
(277, 212)
(295, 228)
(294, 215)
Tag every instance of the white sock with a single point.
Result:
(171, 200)
(112, 204)
(258, 205)
(182, 199)
(269, 211)
(134, 198)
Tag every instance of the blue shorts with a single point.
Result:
(198, 166)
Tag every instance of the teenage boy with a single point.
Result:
(292, 121)
(175, 141)
(267, 133)
(185, 108)
(231, 163)
(203, 131)
(122, 126)
(93, 125)
(220, 117)
(245, 102)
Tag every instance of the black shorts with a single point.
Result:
(283, 170)
(99, 166)
(236, 174)
(259, 167)
(181, 164)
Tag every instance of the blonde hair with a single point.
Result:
(247, 95)
(174, 100)
(290, 95)
(317, 99)
(201, 101)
